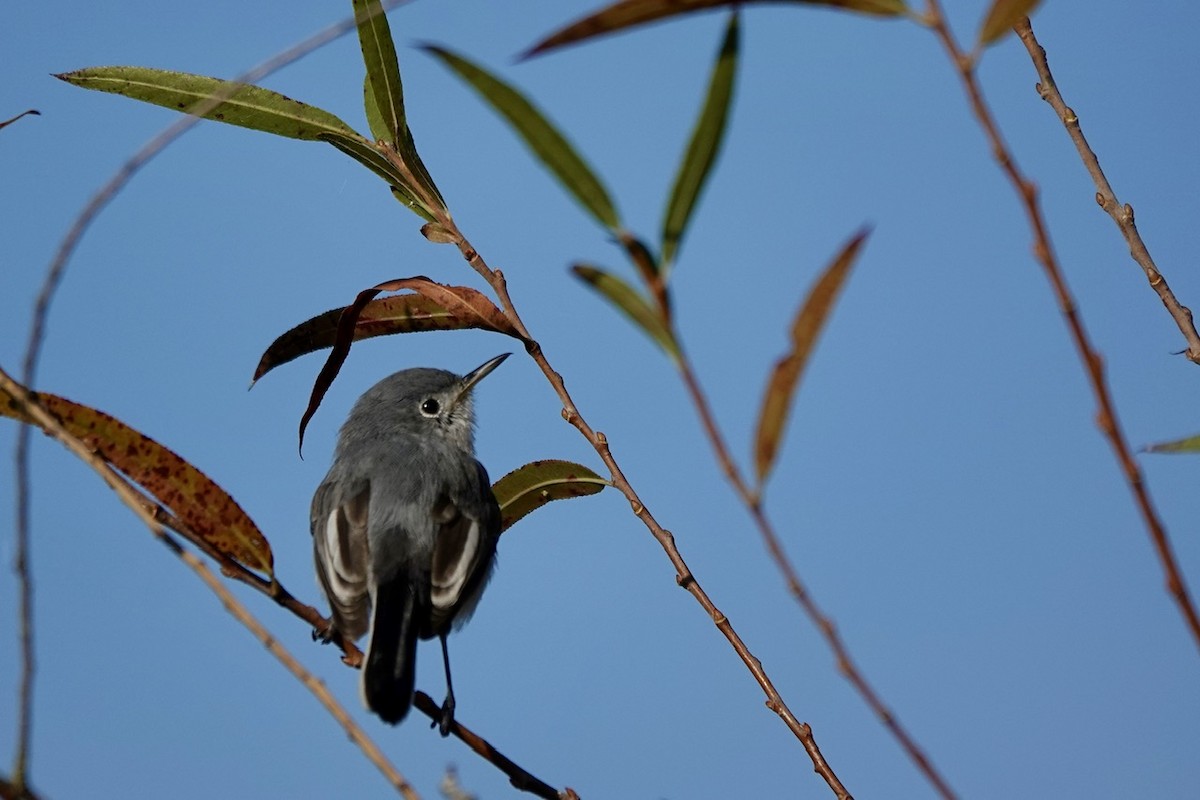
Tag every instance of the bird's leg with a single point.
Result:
(447, 720)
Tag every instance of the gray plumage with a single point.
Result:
(405, 526)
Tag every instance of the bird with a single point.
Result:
(404, 528)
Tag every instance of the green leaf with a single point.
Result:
(379, 128)
(386, 92)
(239, 103)
(631, 13)
(204, 507)
(1188, 445)
(705, 144)
(383, 68)
(806, 329)
(1002, 16)
(532, 486)
(539, 134)
(632, 304)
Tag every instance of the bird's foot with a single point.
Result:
(446, 723)
(325, 634)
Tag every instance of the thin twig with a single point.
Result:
(1106, 415)
(10, 790)
(1121, 214)
(24, 575)
(822, 621)
(136, 502)
(517, 776)
(683, 574)
(37, 332)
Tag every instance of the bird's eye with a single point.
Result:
(430, 407)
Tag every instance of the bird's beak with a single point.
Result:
(476, 375)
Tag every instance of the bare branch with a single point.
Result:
(1122, 214)
(819, 618)
(1093, 364)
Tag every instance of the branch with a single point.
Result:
(518, 777)
(138, 504)
(1122, 215)
(1093, 364)
(823, 622)
(683, 574)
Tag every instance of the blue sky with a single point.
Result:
(943, 489)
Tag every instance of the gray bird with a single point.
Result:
(405, 527)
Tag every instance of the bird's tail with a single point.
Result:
(389, 671)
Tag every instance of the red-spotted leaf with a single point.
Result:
(631, 13)
(467, 307)
(1002, 16)
(203, 506)
(532, 486)
(806, 330)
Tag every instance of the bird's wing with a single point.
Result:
(339, 520)
(468, 526)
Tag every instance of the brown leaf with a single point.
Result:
(405, 313)
(806, 329)
(469, 309)
(630, 13)
(203, 506)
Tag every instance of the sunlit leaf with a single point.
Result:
(469, 308)
(1002, 16)
(385, 97)
(704, 145)
(379, 128)
(630, 303)
(806, 330)
(203, 506)
(631, 13)
(383, 68)
(405, 313)
(31, 112)
(1188, 445)
(532, 486)
(539, 134)
(241, 104)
